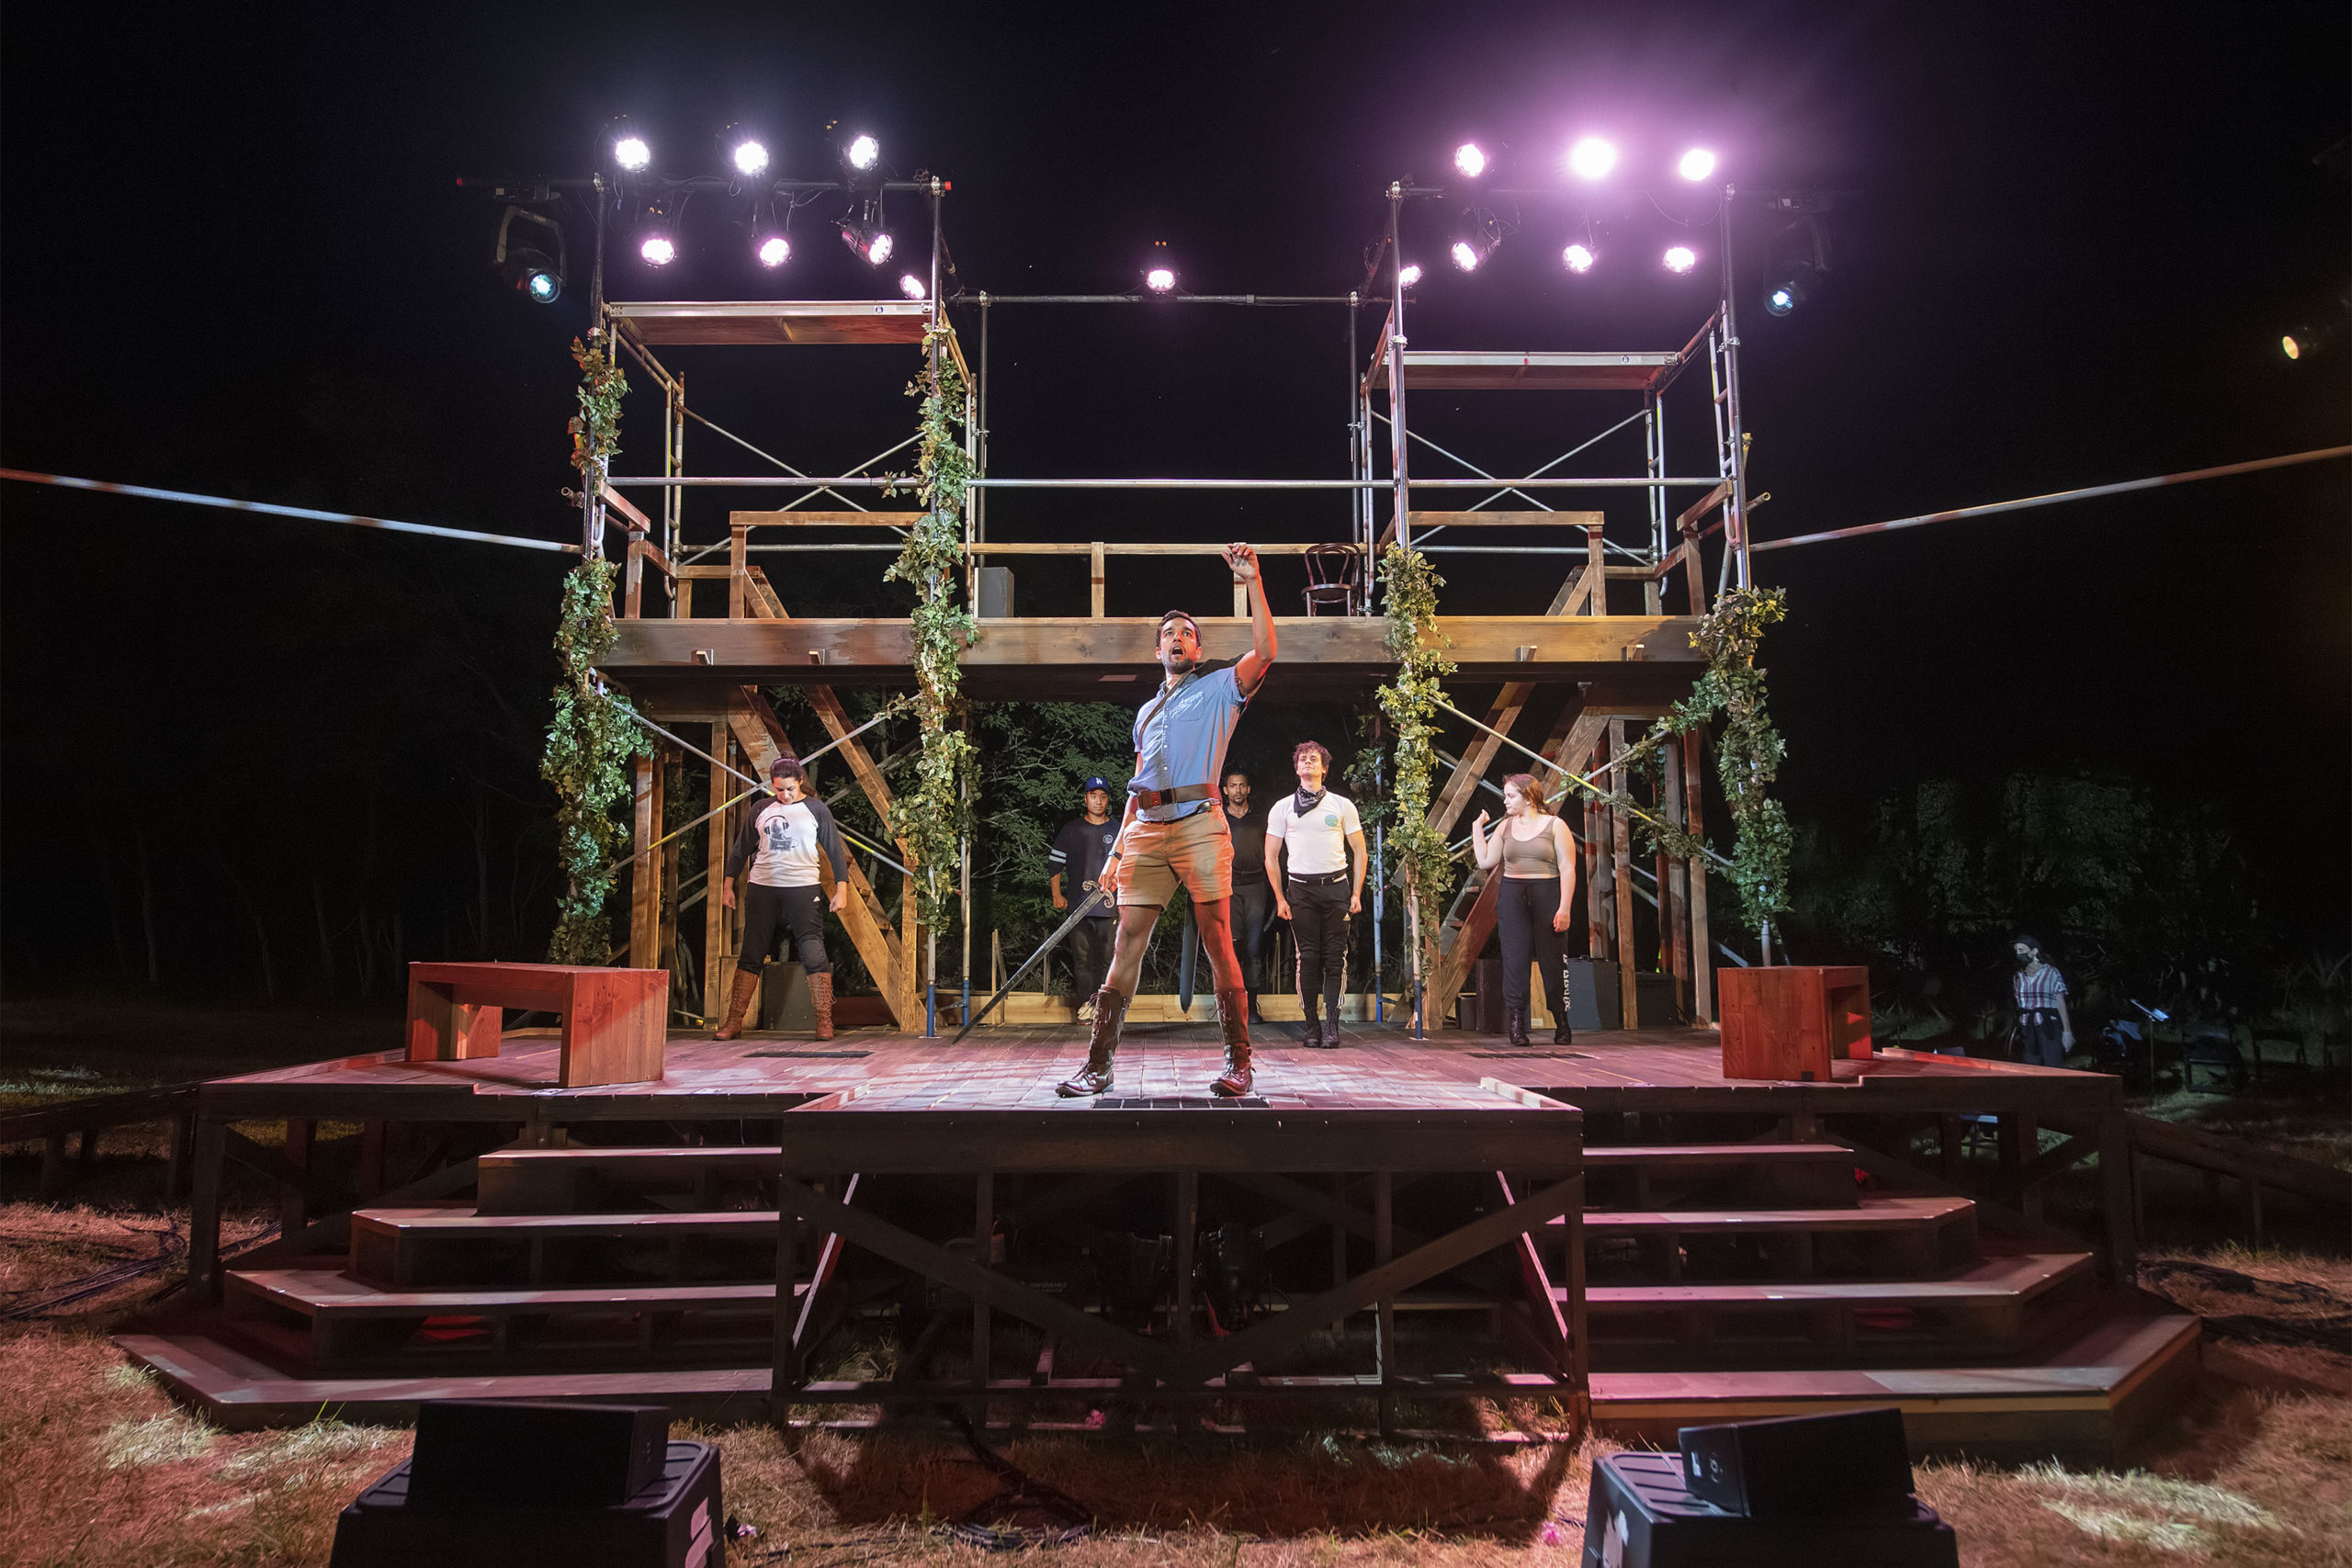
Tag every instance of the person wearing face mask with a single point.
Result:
(2044, 1031)
(780, 841)
(1316, 856)
(1538, 859)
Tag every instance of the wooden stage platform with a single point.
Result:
(1612, 1223)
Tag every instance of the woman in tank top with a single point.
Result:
(1537, 857)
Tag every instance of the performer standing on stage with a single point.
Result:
(1252, 893)
(1538, 857)
(1173, 831)
(2044, 1031)
(1079, 850)
(781, 840)
(1315, 847)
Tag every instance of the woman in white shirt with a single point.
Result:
(1316, 861)
(1537, 855)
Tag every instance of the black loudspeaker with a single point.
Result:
(1641, 1516)
(1855, 1463)
(522, 1454)
(676, 1522)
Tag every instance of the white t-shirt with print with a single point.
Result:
(1317, 843)
(788, 856)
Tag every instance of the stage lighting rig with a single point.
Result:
(522, 260)
(1697, 165)
(913, 287)
(1579, 258)
(1160, 279)
(632, 152)
(863, 152)
(1410, 275)
(657, 247)
(775, 249)
(1470, 159)
(1679, 259)
(747, 152)
(1796, 261)
(1592, 158)
(867, 238)
(1478, 238)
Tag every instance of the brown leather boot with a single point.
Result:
(1110, 1008)
(820, 996)
(745, 984)
(1233, 1011)
(1312, 1038)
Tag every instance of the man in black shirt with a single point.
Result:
(1078, 854)
(1252, 893)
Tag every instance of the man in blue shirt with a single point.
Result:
(1173, 831)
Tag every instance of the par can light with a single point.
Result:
(657, 249)
(1470, 159)
(1410, 275)
(1592, 158)
(872, 245)
(1697, 164)
(775, 251)
(1579, 258)
(750, 157)
(1680, 259)
(1160, 279)
(913, 287)
(863, 152)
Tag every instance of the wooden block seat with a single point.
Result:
(548, 1181)
(616, 1022)
(1797, 1174)
(399, 1247)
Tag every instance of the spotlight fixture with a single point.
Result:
(863, 152)
(1410, 275)
(657, 248)
(1680, 259)
(523, 261)
(750, 157)
(1592, 158)
(2290, 343)
(1160, 279)
(1579, 258)
(868, 239)
(1476, 240)
(1467, 255)
(775, 251)
(1783, 297)
(631, 151)
(1795, 264)
(1697, 164)
(2310, 339)
(1470, 160)
(913, 287)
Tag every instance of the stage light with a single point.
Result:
(1681, 258)
(1795, 262)
(657, 249)
(1592, 158)
(631, 151)
(1786, 297)
(1160, 279)
(775, 251)
(1467, 255)
(1410, 275)
(527, 261)
(1470, 160)
(1579, 258)
(913, 287)
(1476, 240)
(864, 152)
(1696, 164)
(2294, 349)
(750, 157)
(872, 245)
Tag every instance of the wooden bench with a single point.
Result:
(616, 1022)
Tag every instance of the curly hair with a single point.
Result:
(1303, 747)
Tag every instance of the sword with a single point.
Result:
(1050, 944)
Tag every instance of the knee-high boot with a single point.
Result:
(820, 997)
(1110, 1008)
(745, 984)
(1233, 1011)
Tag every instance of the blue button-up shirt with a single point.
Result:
(1183, 743)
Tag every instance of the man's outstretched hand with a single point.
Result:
(1243, 559)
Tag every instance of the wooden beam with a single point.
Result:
(621, 503)
(716, 920)
(1479, 754)
(1095, 578)
(1703, 946)
(645, 868)
(1423, 520)
(813, 519)
(1688, 520)
(1622, 842)
(1673, 908)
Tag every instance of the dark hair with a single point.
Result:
(1234, 771)
(1303, 747)
(1184, 616)
(787, 768)
(2023, 941)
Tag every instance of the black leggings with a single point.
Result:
(1090, 945)
(799, 910)
(1319, 923)
(1524, 911)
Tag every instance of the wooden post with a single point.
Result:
(1384, 1250)
(294, 1204)
(715, 921)
(1096, 556)
(1702, 947)
(1595, 567)
(2118, 1191)
(175, 1173)
(789, 1372)
(204, 1213)
(1622, 838)
(1596, 923)
(633, 576)
(645, 874)
(739, 576)
(983, 1253)
(1188, 1208)
(666, 942)
(1673, 893)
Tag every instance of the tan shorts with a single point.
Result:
(1196, 850)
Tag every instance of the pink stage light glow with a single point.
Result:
(658, 250)
(1696, 164)
(1592, 158)
(913, 287)
(1465, 255)
(1470, 160)
(1411, 274)
(1579, 258)
(1681, 258)
(1160, 279)
(775, 251)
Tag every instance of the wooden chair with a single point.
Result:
(1334, 577)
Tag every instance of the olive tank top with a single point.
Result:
(1530, 857)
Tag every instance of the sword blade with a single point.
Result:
(1047, 946)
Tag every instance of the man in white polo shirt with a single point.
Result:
(1315, 858)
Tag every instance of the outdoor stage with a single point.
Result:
(1612, 1221)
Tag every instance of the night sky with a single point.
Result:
(237, 260)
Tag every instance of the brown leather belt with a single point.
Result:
(1152, 799)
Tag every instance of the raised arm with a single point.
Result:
(1253, 668)
(1487, 848)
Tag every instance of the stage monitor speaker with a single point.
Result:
(520, 1453)
(1641, 1516)
(1854, 1462)
(675, 1522)
(996, 592)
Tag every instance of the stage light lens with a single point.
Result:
(2294, 350)
(1465, 255)
(543, 287)
(1681, 258)
(658, 250)
(775, 251)
(913, 287)
(879, 250)
(1579, 258)
(1160, 279)
(1410, 275)
(1697, 164)
(863, 151)
(751, 158)
(1782, 301)
(1592, 158)
(1470, 160)
(631, 153)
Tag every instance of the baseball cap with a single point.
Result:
(1098, 781)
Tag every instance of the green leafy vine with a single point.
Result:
(1424, 867)
(929, 819)
(596, 428)
(591, 741)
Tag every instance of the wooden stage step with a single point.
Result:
(1637, 1175)
(1893, 1238)
(393, 1247)
(1872, 1214)
(545, 1182)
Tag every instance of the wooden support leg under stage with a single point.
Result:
(645, 867)
(1703, 946)
(1622, 868)
(718, 923)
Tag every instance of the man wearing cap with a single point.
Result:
(781, 840)
(1173, 831)
(1078, 851)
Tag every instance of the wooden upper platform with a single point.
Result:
(1452, 371)
(769, 321)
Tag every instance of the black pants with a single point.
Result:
(1089, 955)
(1253, 899)
(2041, 1040)
(1319, 920)
(1523, 912)
(800, 911)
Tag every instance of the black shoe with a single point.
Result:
(1313, 1038)
(1561, 1035)
(1255, 1016)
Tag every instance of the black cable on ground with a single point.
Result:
(2331, 1332)
(1018, 1490)
(170, 1247)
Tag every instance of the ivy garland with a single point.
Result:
(596, 428)
(1425, 867)
(591, 741)
(929, 819)
(1747, 758)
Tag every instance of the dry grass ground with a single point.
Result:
(97, 1466)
